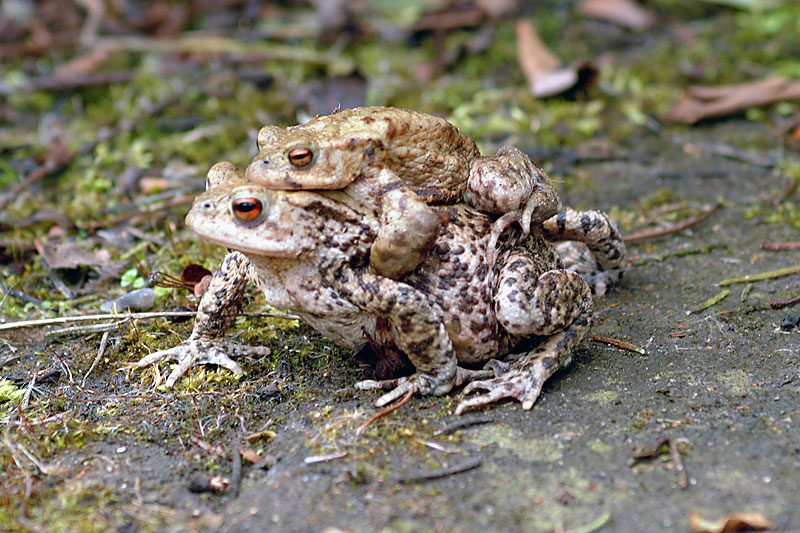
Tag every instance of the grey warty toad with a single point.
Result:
(501, 324)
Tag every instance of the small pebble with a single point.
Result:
(138, 300)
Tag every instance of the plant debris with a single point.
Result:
(699, 103)
(542, 68)
(625, 345)
(469, 463)
(660, 232)
(740, 521)
(772, 274)
(714, 300)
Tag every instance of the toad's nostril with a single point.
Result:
(265, 162)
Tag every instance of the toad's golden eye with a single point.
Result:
(301, 156)
(247, 208)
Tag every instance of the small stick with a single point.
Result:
(92, 328)
(100, 353)
(762, 276)
(777, 246)
(651, 233)
(313, 459)
(134, 316)
(620, 344)
(236, 471)
(780, 304)
(386, 411)
(714, 300)
(468, 464)
(593, 526)
(463, 423)
(677, 465)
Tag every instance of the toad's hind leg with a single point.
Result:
(591, 245)
(557, 305)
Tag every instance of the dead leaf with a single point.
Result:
(534, 56)
(71, 255)
(698, 103)
(622, 12)
(754, 520)
(541, 67)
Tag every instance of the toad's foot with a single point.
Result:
(511, 382)
(196, 351)
(401, 386)
(524, 377)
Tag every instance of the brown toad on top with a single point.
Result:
(522, 313)
(369, 151)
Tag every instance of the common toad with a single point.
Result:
(521, 314)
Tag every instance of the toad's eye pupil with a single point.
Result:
(247, 209)
(300, 157)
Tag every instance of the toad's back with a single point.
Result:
(427, 153)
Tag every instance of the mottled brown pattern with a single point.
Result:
(309, 252)
(370, 151)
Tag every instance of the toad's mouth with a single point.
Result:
(265, 248)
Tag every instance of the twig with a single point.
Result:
(469, 463)
(92, 328)
(463, 423)
(714, 300)
(65, 83)
(100, 353)
(236, 471)
(313, 459)
(780, 304)
(677, 465)
(779, 246)
(386, 411)
(762, 276)
(12, 449)
(133, 316)
(594, 525)
(620, 344)
(212, 44)
(659, 232)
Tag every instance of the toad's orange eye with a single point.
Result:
(247, 208)
(300, 157)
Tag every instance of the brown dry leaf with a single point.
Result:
(623, 12)
(72, 255)
(754, 520)
(698, 103)
(541, 67)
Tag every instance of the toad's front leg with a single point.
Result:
(218, 308)
(415, 325)
(556, 304)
